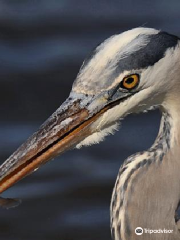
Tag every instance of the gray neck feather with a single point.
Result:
(130, 170)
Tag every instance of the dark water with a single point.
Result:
(42, 45)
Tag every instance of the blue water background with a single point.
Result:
(42, 46)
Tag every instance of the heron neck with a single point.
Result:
(141, 195)
(171, 114)
(163, 141)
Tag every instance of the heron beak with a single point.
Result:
(68, 126)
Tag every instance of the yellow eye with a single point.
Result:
(130, 81)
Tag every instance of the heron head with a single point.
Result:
(134, 70)
(129, 72)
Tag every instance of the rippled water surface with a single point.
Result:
(42, 45)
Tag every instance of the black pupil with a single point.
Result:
(129, 80)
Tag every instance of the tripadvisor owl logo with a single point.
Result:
(138, 231)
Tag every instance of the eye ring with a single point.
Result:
(130, 82)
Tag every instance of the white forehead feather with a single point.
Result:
(107, 54)
(115, 44)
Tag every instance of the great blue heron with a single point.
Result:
(131, 72)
